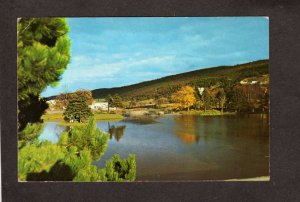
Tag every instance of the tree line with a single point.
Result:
(239, 98)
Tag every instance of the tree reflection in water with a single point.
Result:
(116, 131)
(186, 129)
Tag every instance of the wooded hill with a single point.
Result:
(164, 87)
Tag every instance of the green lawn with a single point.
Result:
(98, 117)
(53, 117)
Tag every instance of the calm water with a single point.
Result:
(188, 147)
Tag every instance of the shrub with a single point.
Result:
(117, 169)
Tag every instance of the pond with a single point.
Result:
(187, 147)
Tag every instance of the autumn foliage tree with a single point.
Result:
(62, 100)
(184, 97)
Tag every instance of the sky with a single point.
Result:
(112, 52)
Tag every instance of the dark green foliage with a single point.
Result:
(30, 110)
(77, 110)
(116, 101)
(207, 99)
(109, 100)
(236, 101)
(117, 169)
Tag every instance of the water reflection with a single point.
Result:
(188, 147)
(52, 131)
(142, 120)
(116, 131)
(186, 129)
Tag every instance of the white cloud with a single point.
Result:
(97, 69)
(199, 40)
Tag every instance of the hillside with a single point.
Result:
(203, 77)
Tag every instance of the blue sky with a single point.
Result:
(113, 52)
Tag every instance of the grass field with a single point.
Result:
(53, 117)
(98, 117)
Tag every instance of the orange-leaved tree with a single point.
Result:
(184, 97)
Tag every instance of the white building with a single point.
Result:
(99, 105)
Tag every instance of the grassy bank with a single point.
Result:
(98, 117)
(207, 113)
(53, 117)
(106, 117)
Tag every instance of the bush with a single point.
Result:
(120, 170)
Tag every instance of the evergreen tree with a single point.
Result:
(77, 110)
(109, 100)
(117, 169)
(116, 101)
(221, 97)
(43, 49)
(236, 100)
(207, 99)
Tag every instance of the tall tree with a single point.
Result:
(221, 96)
(116, 101)
(185, 97)
(77, 109)
(109, 100)
(236, 100)
(207, 99)
(43, 54)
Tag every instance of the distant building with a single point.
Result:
(99, 105)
